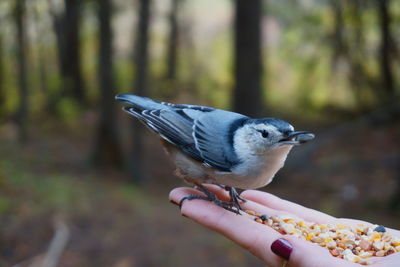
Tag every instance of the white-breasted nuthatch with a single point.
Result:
(216, 146)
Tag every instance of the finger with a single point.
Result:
(393, 231)
(307, 254)
(263, 210)
(277, 203)
(354, 222)
(242, 230)
(391, 260)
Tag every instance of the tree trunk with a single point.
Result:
(42, 66)
(67, 28)
(140, 86)
(57, 23)
(2, 92)
(247, 95)
(72, 60)
(141, 47)
(173, 41)
(22, 113)
(385, 49)
(107, 150)
(339, 44)
(394, 203)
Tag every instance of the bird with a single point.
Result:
(215, 146)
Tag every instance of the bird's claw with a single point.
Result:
(232, 205)
(190, 197)
(235, 197)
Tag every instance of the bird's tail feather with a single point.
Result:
(139, 102)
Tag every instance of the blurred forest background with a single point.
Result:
(82, 184)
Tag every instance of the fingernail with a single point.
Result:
(173, 202)
(282, 248)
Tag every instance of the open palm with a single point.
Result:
(257, 238)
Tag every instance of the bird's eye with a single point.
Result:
(264, 133)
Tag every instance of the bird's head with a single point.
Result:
(258, 136)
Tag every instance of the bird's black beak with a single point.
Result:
(296, 138)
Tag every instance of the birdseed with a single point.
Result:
(353, 243)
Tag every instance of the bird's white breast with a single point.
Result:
(254, 172)
(259, 170)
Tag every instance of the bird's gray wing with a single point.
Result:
(213, 133)
(173, 125)
(173, 122)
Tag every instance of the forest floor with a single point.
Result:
(351, 172)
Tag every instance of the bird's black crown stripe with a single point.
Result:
(234, 126)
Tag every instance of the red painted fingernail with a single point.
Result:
(282, 248)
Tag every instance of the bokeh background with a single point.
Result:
(82, 184)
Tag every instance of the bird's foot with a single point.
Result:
(232, 206)
(233, 194)
(235, 197)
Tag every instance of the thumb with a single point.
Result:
(301, 253)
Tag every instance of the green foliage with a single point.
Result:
(299, 56)
(69, 110)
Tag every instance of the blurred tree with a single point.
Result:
(247, 95)
(2, 87)
(141, 54)
(67, 29)
(337, 40)
(355, 53)
(386, 49)
(173, 41)
(141, 58)
(22, 113)
(394, 203)
(42, 58)
(107, 151)
(349, 46)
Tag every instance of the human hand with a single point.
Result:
(264, 242)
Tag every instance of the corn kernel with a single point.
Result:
(375, 236)
(289, 221)
(365, 254)
(395, 243)
(251, 212)
(309, 236)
